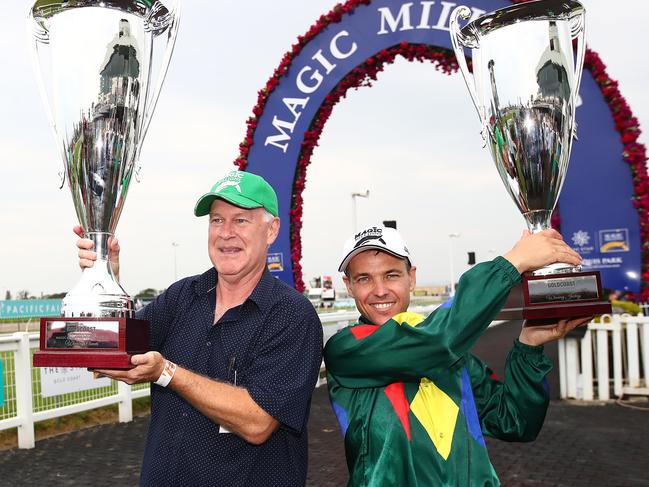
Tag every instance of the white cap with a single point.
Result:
(377, 238)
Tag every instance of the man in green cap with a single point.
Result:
(236, 354)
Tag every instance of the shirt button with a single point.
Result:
(184, 415)
(209, 344)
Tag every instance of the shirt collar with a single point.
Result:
(206, 282)
(364, 321)
(261, 295)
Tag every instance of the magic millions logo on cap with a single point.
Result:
(375, 237)
(369, 235)
(232, 179)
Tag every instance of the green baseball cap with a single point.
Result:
(242, 189)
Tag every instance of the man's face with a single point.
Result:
(238, 239)
(380, 284)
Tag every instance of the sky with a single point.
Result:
(434, 181)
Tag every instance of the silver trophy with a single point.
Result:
(95, 62)
(525, 87)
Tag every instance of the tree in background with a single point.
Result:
(54, 296)
(147, 293)
(144, 297)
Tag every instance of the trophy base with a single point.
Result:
(103, 343)
(543, 299)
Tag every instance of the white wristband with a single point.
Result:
(167, 374)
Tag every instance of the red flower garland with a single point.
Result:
(634, 154)
(445, 61)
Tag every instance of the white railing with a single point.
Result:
(611, 360)
(24, 405)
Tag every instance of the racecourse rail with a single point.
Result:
(583, 375)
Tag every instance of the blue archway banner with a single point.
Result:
(597, 214)
(596, 204)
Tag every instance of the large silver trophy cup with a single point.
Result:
(96, 62)
(525, 87)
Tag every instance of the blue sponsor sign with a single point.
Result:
(597, 215)
(30, 308)
(614, 240)
(275, 262)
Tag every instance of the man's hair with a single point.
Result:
(268, 216)
(407, 261)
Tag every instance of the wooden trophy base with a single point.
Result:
(545, 299)
(97, 343)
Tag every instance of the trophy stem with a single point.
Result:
(538, 220)
(100, 239)
(98, 294)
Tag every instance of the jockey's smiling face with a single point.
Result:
(380, 284)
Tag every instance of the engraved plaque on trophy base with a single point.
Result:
(544, 299)
(98, 343)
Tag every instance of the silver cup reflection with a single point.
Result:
(95, 61)
(525, 85)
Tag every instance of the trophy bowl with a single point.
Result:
(525, 86)
(94, 63)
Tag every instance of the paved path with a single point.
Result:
(590, 446)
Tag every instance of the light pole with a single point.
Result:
(175, 246)
(451, 236)
(366, 194)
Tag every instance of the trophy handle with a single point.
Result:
(62, 175)
(460, 41)
(36, 33)
(578, 32)
(152, 97)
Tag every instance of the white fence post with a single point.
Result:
(572, 368)
(125, 405)
(618, 367)
(644, 345)
(562, 368)
(603, 393)
(633, 355)
(587, 365)
(637, 356)
(24, 402)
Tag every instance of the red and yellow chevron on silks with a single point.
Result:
(397, 396)
(434, 409)
(363, 331)
(408, 318)
(437, 413)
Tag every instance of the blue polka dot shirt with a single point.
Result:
(272, 344)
